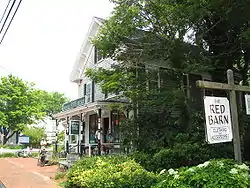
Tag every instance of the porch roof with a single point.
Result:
(84, 109)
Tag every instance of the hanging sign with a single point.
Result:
(218, 120)
(74, 126)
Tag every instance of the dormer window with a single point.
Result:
(98, 56)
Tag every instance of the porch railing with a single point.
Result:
(74, 104)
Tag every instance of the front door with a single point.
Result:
(105, 129)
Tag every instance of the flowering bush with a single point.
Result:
(116, 171)
(214, 173)
(185, 154)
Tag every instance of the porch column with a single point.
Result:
(99, 130)
(67, 132)
(82, 132)
(56, 142)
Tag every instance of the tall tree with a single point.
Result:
(52, 101)
(183, 36)
(35, 135)
(19, 106)
(218, 29)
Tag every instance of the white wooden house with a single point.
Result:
(89, 118)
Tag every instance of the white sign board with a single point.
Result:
(247, 102)
(218, 120)
(24, 139)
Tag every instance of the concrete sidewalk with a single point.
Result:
(24, 173)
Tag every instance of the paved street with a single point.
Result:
(24, 173)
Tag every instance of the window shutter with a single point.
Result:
(88, 87)
(84, 89)
(95, 55)
(93, 91)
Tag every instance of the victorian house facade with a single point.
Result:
(90, 125)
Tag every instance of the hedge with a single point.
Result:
(109, 172)
(214, 173)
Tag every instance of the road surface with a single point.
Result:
(24, 173)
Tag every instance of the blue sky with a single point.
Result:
(43, 41)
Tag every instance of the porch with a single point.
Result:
(90, 129)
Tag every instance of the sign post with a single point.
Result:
(232, 88)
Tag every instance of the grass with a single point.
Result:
(12, 146)
(4, 155)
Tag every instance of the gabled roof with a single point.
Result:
(81, 58)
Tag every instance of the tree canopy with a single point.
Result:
(21, 105)
(35, 135)
(52, 101)
(218, 32)
(166, 38)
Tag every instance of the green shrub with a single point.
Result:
(109, 171)
(4, 155)
(144, 159)
(186, 154)
(60, 148)
(13, 146)
(60, 175)
(214, 173)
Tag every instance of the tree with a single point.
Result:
(182, 36)
(52, 101)
(61, 137)
(218, 29)
(19, 106)
(35, 135)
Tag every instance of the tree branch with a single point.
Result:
(8, 137)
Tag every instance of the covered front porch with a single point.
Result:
(91, 129)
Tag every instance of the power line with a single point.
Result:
(7, 16)
(10, 21)
(5, 11)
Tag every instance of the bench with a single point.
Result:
(71, 158)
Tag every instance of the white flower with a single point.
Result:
(190, 170)
(204, 164)
(233, 171)
(172, 171)
(221, 164)
(163, 171)
(176, 176)
(242, 167)
(246, 175)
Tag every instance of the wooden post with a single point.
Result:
(56, 142)
(231, 88)
(234, 114)
(99, 131)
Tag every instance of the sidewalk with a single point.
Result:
(24, 173)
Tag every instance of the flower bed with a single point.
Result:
(214, 173)
(123, 172)
(113, 171)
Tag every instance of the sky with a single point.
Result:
(44, 39)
